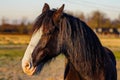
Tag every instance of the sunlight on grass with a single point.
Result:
(117, 54)
(14, 39)
(11, 52)
(12, 48)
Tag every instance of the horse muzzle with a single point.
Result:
(28, 68)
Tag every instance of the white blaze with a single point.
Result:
(32, 44)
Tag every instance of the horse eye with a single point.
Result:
(47, 34)
(51, 31)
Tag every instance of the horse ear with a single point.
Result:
(46, 7)
(57, 14)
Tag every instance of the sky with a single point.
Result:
(30, 9)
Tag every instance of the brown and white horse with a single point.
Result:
(56, 32)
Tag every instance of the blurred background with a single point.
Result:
(17, 18)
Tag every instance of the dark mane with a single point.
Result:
(84, 48)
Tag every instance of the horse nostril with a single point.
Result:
(28, 66)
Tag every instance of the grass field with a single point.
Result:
(10, 67)
(14, 39)
(12, 48)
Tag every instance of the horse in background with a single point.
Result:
(56, 32)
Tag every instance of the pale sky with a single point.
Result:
(17, 9)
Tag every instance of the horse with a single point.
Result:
(56, 32)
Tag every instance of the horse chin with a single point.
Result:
(39, 68)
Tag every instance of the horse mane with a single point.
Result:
(84, 49)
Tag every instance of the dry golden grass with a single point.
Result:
(114, 42)
(24, 39)
(14, 39)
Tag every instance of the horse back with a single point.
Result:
(111, 55)
(112, 58)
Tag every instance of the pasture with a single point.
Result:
(12, 48)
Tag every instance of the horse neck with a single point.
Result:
(82, 47)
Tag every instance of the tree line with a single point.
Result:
(23, 27)
(97, 19)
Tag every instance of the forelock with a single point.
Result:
(43, 19)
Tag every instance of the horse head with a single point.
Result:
(44, 43)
